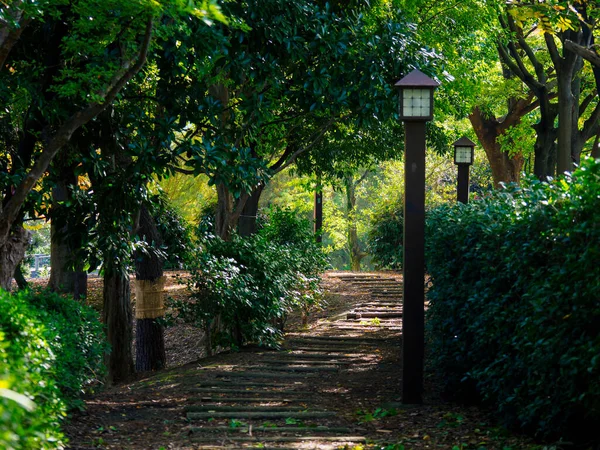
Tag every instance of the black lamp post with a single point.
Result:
(464, 155)
(416, 108)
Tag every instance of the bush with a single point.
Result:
(514, 315)
(76, 338)
(26, 363)
(51, 348)
(385, 240)
(251, 284)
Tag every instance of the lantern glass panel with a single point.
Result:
(464, 155)
(416, 102)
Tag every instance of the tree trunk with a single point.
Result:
(223, 214)
(117, 318)
(63, 278)
(544, 149)
(247, 222)
(505, 168)
(149, 338)
(20, 278)
(12, 253)
(356, 254)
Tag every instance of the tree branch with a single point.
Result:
(590, 126)
(554, 55)
(10, 35)
(63, 135)
(584, 52)
(316, 137)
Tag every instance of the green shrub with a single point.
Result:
(76, 338)
(514, 314)
(251, 284)
(26, 366)
(385, 239)
(51, 349)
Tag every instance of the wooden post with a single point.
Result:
(413, 318)
(462, 184)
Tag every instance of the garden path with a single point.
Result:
(334, 384)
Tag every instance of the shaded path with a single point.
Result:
(333, 385)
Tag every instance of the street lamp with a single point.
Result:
(416, 108)
(464, 155)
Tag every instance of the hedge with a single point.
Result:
(514, 316)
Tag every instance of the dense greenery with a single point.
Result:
(386, 234)
(250, 285)
(50, 349)
(514, 307)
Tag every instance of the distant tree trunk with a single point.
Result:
(505, 168)
(229, 211)
(150, 341)
(544, 149)
(62, 276)
(247, 225)
(117, 318)
(12, 253)
(356, 254)
(20, 278)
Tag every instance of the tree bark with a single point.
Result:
(20, 278)
(12, 253)
(356, 254)
(149, 338)
(247, 222)
(63, 278)
(505, 168)
(117, 318)
(544, 149)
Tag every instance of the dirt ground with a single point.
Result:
(149, 413)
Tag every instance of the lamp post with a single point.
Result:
(464, 155)
(416, 108)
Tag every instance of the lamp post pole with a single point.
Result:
(462, 183)
(416, 108)
(413, 315)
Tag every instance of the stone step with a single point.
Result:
(323, 349)
(373, 315)
(245, 391)
(291, 368)
(315, 363)
(242, 408)
(249, 374)
(340, 439)
(260, 415)
(379, 305)
(316, 355)
(250, 384)
(250, 399)
(349, 338)
(261, 429)
(335, 342)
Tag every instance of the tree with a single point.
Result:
(277, 84)
(75, 75)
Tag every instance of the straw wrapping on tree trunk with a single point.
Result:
(150, 298)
